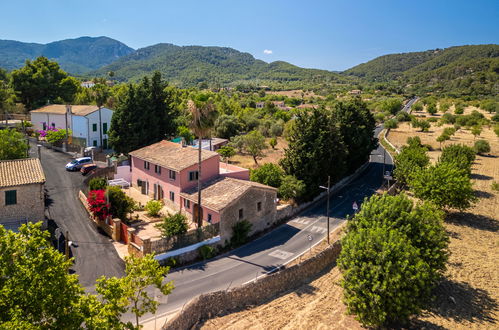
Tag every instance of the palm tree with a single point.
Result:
(203, 118)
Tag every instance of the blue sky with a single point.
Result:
(332, 35)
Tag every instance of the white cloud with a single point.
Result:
(267, 51)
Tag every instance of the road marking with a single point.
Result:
(301, 221)
(280, 254)
(318, 229)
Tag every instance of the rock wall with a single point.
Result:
(211, 304)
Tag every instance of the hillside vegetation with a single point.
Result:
(77, 56)
(463, 70)
(187, 66)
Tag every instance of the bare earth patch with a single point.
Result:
(271, 155)
(467, 297)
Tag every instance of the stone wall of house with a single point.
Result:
(212, 304)
(260, 220)
(30, 204)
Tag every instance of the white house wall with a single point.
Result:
(93, 118)
(80, 128)
(57, 119)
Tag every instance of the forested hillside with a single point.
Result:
(76, 56)
(193, 65)
(463, 70)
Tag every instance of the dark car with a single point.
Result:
(87, 168)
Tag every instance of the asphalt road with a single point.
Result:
(279, 246)
(95, 255)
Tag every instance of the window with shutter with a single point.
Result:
(11, 197)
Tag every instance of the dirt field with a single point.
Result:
(467, 298)
(297, 93)
(271, 155)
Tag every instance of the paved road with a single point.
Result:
(95, 254)
(278, 247)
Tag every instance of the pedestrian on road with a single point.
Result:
(355, 207)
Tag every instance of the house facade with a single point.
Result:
(21, 192)
(168, 171)
(89, 124)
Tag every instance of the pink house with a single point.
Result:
(169, 171)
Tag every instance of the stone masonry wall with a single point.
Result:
(248, 202)
(211, 304)
(30, 203)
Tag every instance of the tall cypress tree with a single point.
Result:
(145, 115)
(316, 150)
(356, 125)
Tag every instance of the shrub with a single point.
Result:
(432, 120)
(273, 142)
(445, 185)
(120, 204)
(173, 225)
(411, 159)
(240, 232)
(269, 174)
(207, 251)
(403, 116)
(97, 203)
(391, 123)
(291, 188)
(459, 109)
(153, 207)
(97, 184)
(494, 186)
(476, 131)
(421, 123)
(448, 118)
(431, 108)
(496, 130)
(481, 147)
(56, 136)
(417, 106)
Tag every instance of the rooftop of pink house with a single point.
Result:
(220, 193)
(172, 155)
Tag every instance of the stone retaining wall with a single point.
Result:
(215, 303)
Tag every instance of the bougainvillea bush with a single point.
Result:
(97, 202)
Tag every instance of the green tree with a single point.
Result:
(291, 188)
(120, 205)
(476, 131)
(273, 142)
(36, 290)
(481, 147)
(240, 232)
(132, 289)
(356, 125)
(226, 152)
(316, 150)
(97, 184)
(41, 81)
(227, 126)
(203, 115)
(411, 159)
(431, 108)
(153, 207)
(144, 113)
(388, 234)
(445, 185)
(12, 145)
(391, 105)
(7, 95)
(268, 174)
(254, 144)
(417, 106)
(442, 138)
(391, 123)
(186, 134)
(173, 225)
(460, 155)
(100, 94)
(421, 123)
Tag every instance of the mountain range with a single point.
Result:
(467, 67)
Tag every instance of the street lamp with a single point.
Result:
(327, 207)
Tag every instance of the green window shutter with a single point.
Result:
(94, 127)
(11, 197)
(104, 128)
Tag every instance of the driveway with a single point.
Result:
(94, 255)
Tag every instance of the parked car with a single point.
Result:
(85, 169)
(76, 164)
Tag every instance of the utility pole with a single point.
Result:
(328, 188)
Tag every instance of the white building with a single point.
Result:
(87, 84)
(89, 124)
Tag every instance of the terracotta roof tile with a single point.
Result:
(60, 109)
(21, 171)
(172, 155)
(219, 193)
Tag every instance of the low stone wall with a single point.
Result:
(215, 303)
(113, 229)
(288, 211)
